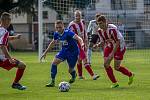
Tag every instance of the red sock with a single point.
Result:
(89, 69)
(19, 74)
(125, 71)
(79, 67)
(111, 74)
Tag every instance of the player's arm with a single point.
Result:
(18, 36)
(48, 48)
(6, 53)
(116, 44)
(79, 39)
(99, 44)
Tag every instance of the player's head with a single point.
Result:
(77, 15)
(97, 15)
(101, 21)
(5, 19)
(59, 26)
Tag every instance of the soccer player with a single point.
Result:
(78, 26)
(69, 51)
(114, 47)
(92, 35)
(6, 61)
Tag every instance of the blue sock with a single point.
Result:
(53, 71)
(73, 74)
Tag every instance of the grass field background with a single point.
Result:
(37, 75)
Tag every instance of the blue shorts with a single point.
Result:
(71, 57)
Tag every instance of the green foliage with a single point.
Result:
(19, 6)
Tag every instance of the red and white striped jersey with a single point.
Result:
(4, 34)
(111, 35)
(78, 28)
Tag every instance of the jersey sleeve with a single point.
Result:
(4, 37)
(71, 34)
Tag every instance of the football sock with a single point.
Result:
(19, 74)
(125, 71)
(79, 67)
(53, 71)
(111, 74)
(89, 69)
(73, 74)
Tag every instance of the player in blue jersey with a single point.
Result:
(69, 51)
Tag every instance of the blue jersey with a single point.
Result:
(67, 40)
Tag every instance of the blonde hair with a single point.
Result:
(5, 16)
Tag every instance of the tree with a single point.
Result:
(18, 6)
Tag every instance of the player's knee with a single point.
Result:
(116, 68)
(106, 65)
(21, 65)
(70, 70)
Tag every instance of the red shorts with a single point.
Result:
(7, 65)
(118, 54)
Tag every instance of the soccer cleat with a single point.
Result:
(72, 80)
(115, 85)
(95, 77)
(131, 79)
(52, 84)
(18, 86)
(81, 77)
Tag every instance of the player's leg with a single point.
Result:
(5, 63)
(72, 60)
(93, 40)
(79, 68)
(79, 63)
(117, 65)
(53, 71)
(19, 73)
(60, 57)
(89, 68)
(108, 68)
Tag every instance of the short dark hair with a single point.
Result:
(5, 15)
(101, 18)
(59, 22)
(97, 15)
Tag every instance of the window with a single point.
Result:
(45, 14)
(146, 2)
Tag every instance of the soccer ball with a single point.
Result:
(64, 86)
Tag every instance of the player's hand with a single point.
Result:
(95, 46)
(12, 61)
(82, 45)
(43, 57)
(111, 56)
(18, 36)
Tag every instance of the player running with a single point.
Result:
(78, 26)
(114, 47)
(6, 61)
(93, 37)
(69, 51)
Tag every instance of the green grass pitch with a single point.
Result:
(37, 75)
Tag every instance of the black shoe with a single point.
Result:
(18, 86)
(72, 80)
(52, 84)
